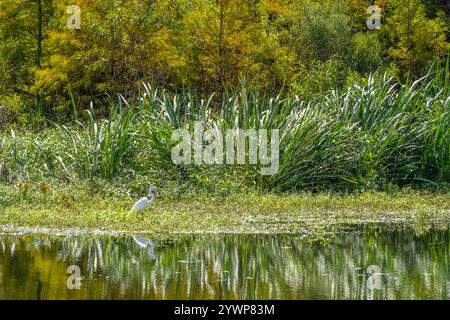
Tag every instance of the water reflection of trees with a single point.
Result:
(228, 267)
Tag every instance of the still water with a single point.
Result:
(354, 264)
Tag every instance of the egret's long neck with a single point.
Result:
(152, 197)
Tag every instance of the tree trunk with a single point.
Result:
(39, 34)
(221, 44)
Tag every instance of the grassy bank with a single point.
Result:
(367, 143)
(303, 214)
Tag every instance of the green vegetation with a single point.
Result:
(377, 136)
(300, 47)
(380, 136)
(357, 110)
(83, 207)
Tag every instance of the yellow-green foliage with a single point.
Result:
(203, 45)
(412, 37)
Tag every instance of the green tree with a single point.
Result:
(24, 26)
(323, 30)
(119, 44)
(225, 41)
(413, 40)
(366, 52)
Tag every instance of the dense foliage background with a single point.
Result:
(298, 47)
(357, 108)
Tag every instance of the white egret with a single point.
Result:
(143, 202)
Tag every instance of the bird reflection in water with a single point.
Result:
(146, 243)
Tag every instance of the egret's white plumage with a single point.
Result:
(143, 202)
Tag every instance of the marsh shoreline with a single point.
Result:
(305, 215)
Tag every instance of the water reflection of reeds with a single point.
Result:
(229, 267)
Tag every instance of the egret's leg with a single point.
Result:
(130, 212)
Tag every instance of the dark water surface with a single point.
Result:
(355, 264)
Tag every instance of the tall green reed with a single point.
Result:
(99, 147)
(367, 136)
